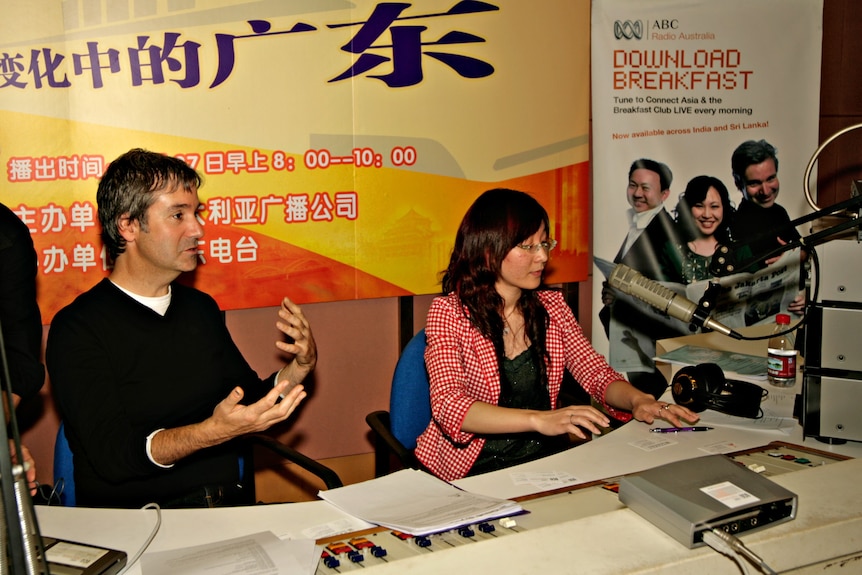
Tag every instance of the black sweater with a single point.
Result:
(120, 371)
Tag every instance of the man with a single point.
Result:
(152, 388)
(760, 224)
(651, 239)
(20, 318)
(754, 165)
(649, 248)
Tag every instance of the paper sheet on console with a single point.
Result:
(416, 502)
(257, 554)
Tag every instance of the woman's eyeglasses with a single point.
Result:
(546, 245)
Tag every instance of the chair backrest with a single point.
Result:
(64, 469)
(410, 400)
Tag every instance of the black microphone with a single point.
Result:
(663, 299)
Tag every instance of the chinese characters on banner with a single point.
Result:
(338, 148)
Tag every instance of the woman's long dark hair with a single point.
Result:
(498, 221)
(695, 193)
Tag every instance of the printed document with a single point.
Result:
(417, 503)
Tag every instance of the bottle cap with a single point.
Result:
(782, 319)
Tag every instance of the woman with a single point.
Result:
(498, 345)
(703, 216)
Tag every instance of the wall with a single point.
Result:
(359, 341)
(840, 101)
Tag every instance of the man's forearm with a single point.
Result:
(171, 445)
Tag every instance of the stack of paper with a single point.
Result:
(261, 552)
(734, 365)
(417, 503)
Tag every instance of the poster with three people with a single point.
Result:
(700, 118)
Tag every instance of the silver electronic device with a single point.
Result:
(686, 498)
(832, 389)
(71, 558)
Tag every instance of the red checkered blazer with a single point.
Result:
(462, 368)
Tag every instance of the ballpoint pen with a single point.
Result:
(678, 429)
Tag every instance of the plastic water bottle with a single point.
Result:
(781, 359)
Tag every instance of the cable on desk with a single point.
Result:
(732, 546)
(724, 548)
(149, 540)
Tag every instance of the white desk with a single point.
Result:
(623, 451)
(828, 525)
(616, 541)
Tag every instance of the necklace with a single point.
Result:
(514, 337)
(507, 329)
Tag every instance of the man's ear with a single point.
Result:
(128, 227)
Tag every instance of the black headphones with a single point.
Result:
(704, 386)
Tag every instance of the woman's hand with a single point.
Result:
(573, 419)
(647, 409)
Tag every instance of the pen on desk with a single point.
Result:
(678, 429)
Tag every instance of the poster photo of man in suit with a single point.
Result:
(649, 247)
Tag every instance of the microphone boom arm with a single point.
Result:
(724, 262)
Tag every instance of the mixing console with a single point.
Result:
(365, 549)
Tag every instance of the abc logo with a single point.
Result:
(636, 29)
(628, 29)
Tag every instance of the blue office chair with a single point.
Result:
(409, 412)
(64, 469)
